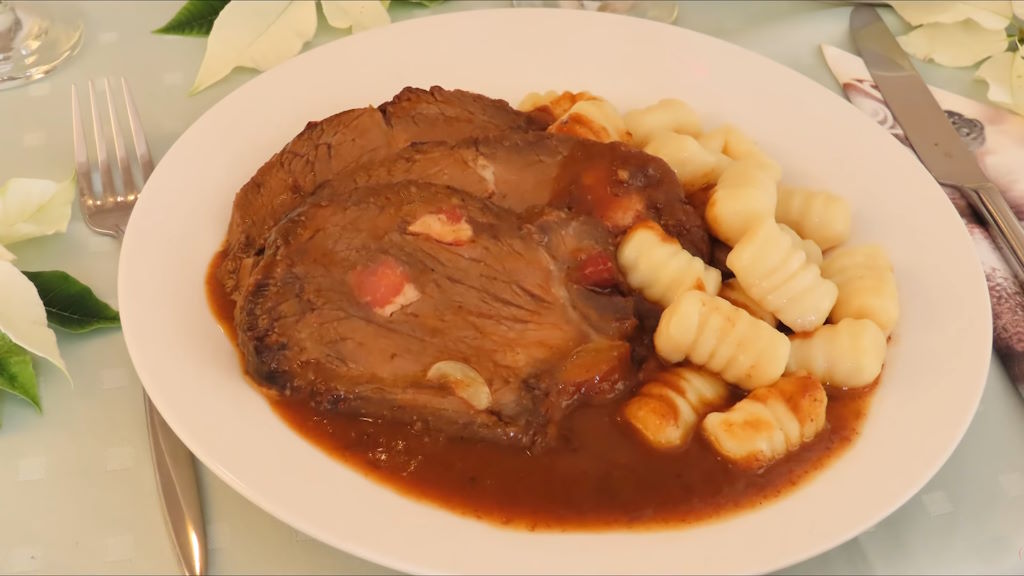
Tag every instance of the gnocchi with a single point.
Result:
(867, 286)
(736, 145)
(820, 216)
(849, 354)
(593, 119)
(733, 292)
(656, 264)
(811, 249)
(744, 196)
(712, 333)
(769, 423)
(668, 115)
(695, 166)
(668, 408)
(773, 269)
(553, 104)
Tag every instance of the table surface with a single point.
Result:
(77, 491)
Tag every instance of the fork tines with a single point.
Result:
(99, 186)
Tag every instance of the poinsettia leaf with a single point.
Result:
(30, 207)
(195, 18)
(23, 317)
(256, 35)
(70, 304)
(959, 44)
(991, 15)
(997, 71)
(16, 373)
(356, 14)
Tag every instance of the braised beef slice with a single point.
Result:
(503, 303)
(526, 172)
(328, 147)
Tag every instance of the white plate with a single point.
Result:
(932, 384)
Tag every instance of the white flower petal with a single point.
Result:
(357, 14)
(1017, 83)
(31, 207)
(996, 71)
(5, 255)
(961, 44)
(1018, 8)
(256, 35)
(991, 15)
(1004, 74)
(23, 318)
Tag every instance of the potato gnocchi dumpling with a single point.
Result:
(811, 249)
(656, 264)
(712, 333)
(817, 215)
(730, 141)
(667, 408)
(744, 196)
(552, 103)
(773, 269)
(867, 285)
(714, 140)
(695, 166)
(769, 423)
(668, 115)
(593, 119)
(733, 292)
(849, 354)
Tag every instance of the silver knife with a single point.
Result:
(929, 132)
(176, 482)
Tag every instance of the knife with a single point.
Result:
(929, 132)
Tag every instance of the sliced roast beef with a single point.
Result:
(360, 294)
(330, 146)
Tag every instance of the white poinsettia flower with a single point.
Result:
(30, 207)
(1005, 76)
(356, 14)
(1018, 8)
(991, 15)
(256, 35)
(5, 255)
(963, 43)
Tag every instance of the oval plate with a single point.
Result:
(192, 373)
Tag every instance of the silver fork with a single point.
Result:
(106, 209)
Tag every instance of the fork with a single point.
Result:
(106, 208)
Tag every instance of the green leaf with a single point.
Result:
(16, 373)
(194, 19)
(70, 304)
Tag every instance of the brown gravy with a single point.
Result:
(599, 474)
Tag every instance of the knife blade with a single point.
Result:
(929, 132)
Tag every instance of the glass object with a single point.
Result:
(33, 42)
(660, 10)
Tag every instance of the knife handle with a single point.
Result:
(1002, 224)
(176, 482)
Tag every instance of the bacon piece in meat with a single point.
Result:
(384, 286)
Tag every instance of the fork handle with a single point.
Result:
(176, 482)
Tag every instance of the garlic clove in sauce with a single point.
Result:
(465, 381)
